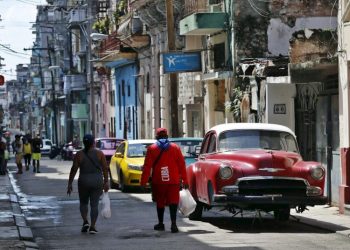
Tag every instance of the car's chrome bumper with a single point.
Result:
(231, 195)
(269, 199)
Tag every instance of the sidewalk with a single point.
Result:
(15, 234)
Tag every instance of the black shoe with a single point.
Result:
(159, 227)
(174, 228)
(34, 170)
(85, 227)
(93, 230)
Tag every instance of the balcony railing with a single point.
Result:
(194, 6)
(111, 43)
(77, 15)
(74, 82)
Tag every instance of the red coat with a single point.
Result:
(170, 168)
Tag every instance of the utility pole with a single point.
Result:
(90, 77)
(173, 76)
(54, 108)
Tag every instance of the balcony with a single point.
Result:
(111, 43)
(130, 32)
(77, 16)
(80, 111)
(201, 19)
(346, 11)
(74, 82)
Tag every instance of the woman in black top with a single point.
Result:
(93, 178)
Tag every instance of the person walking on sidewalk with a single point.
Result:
(93, 179)
(18, 150)
(3, 168)
(168, 167)
(37, 143)
(27, 150)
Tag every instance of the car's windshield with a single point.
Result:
(137, 150)
(252, 139)
(107, 144)
(188, 148)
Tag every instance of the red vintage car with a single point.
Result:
(254, 166)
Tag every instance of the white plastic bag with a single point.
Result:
(186, 204)
(106, 206)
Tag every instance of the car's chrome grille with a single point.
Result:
(272, 186)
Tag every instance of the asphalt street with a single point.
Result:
(54, 221)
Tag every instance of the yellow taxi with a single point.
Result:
(126, 164)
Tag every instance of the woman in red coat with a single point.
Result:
(168, 170)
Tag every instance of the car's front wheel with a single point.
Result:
(282, 214)
(197, 213)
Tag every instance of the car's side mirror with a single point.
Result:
(119, 155)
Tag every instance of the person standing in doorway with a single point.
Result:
(93, 179)
(37, 143)
(27, 150)
(167, 164)
(18, 150)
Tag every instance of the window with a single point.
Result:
(257, 139)
(148, 88)
(212, 144)
(219, 55)
(121, 148)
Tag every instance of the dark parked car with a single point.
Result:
(254, 166)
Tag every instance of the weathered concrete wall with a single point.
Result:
(265, 28)
(313, 45)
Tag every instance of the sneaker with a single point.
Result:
(85, 227)
(93, 230)
(174, 228)
(159, 227)
(34, 170)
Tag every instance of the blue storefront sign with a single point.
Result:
(182, 62)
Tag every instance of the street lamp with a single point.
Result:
(98, 36)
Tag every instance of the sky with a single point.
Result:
(17, 17)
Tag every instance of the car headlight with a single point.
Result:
(135, 167)
(317, 172)
(225, 172)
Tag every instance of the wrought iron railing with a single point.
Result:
(193, 6)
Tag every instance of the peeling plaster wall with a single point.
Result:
(313, 46)
(280, 33)
(264, 29)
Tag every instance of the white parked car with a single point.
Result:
(46, 148)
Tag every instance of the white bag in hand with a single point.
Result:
(186, 204)
(106, 206)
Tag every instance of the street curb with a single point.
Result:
(25, 233)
